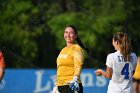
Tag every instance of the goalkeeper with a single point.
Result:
(69, 63)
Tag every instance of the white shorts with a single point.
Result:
(116, 88)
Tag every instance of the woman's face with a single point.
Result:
(69, 35)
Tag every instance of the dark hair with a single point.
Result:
(125, 44)
(78, 40)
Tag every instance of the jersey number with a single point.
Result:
(125, 71)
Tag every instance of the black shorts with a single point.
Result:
(67, 89)
(136, 80)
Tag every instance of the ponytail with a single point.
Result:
(126, 47)
(125, 44)
(79, 42)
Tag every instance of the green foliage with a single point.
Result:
(15, 33)
(59, 22)
(31, 32)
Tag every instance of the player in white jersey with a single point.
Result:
(120, 65)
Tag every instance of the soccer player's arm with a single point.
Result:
(78, 61)
(2, 66)
(108, 72)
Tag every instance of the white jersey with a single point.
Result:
(122, 80)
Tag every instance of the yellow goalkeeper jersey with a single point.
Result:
(69, 64)
(137, 72)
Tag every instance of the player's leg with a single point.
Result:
(135, 84)
(139, 86)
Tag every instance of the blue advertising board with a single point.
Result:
(42, 81)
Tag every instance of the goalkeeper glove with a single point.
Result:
(74, 85)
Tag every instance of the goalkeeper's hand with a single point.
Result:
(74, 85)
(55, 89)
